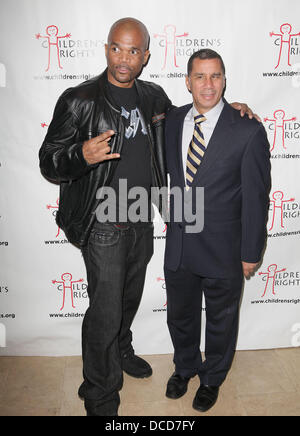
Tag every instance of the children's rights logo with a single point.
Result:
(287, 43)
(169, 41)
(274, 277)
(60, 46)
(52, 39)
(66, 285)
(279, 209)
(176, 44)
(283, 129)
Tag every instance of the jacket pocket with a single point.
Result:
(104, 238)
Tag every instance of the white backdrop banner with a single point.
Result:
(48, 46)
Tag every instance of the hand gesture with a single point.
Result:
(97, 150)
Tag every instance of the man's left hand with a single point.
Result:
(249, 269)
(244, 109)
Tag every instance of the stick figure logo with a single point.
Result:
(52, 43)
(66, 283)
(278, 206)
(270, 276)
(285, 42)
(169, 39)
(279, 121)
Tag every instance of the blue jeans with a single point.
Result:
(116, 259)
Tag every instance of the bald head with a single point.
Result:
(126, 51)
(130, 24)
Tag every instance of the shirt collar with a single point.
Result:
(213, 114)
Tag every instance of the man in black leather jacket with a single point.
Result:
(90, 144)
(85, 116)
(93, 142)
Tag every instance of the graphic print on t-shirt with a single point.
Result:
(135, 120)
(134, 165)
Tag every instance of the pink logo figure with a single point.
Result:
(67, 283)
(279, 122)
(170, 38)
(56, 208)
(44, 125)
(271, 276)
(159, 279)
(278, 202)
(52, 38)
(285, 41)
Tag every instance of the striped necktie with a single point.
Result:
(195, 152)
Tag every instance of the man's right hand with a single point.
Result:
(97, 149)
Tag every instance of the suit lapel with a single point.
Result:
(180, 122)
(220, 140)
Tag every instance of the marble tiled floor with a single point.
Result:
(260, 383)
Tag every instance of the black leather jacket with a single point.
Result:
(82, 113)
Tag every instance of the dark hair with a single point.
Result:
(203, 54)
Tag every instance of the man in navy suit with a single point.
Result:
(233, 167)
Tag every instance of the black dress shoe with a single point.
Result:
(177, 386)
(136, 366)
(205, 398)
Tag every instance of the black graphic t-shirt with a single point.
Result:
(134, 165)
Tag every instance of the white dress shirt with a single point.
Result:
(207, 127)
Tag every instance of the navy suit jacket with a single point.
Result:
(235, 175)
